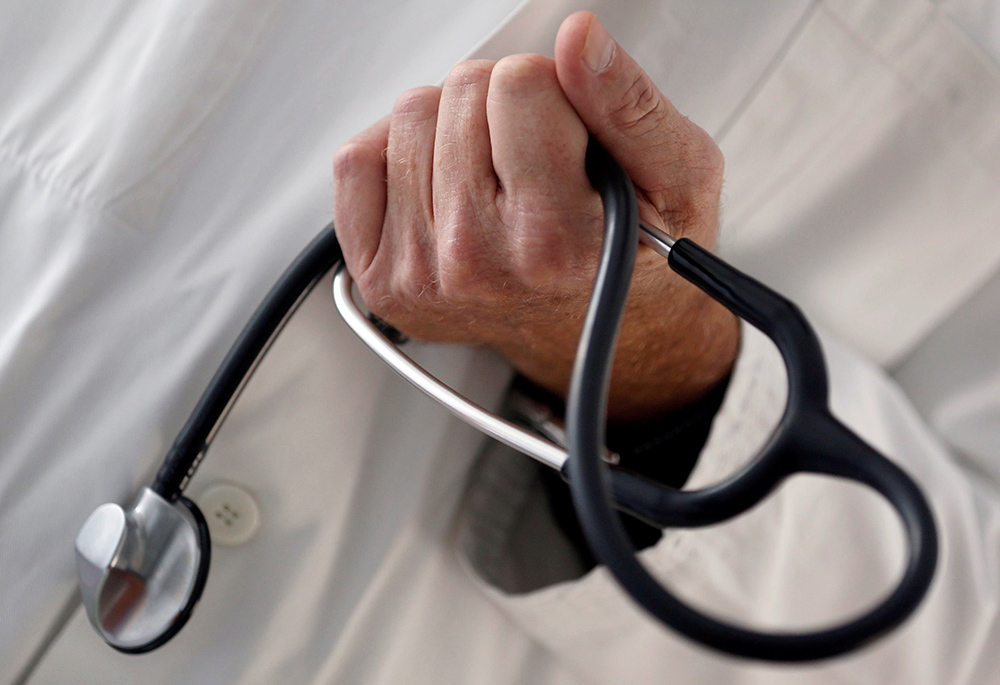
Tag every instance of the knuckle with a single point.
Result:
(458, 278)
(417, 103)
(371, 287)
(395, 295)
(409, 284)
(703, 164)
(523, 73)
(469, 73)
(712, 161)
(462, 264)
(351, 156)
(540, 254)
(640, 108)
(692, 159)
(539, 269)
(711, 172)
(456, 283)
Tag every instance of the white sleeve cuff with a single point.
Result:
(752, 407)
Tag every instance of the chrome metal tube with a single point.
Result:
(496, 427)
(660, 242)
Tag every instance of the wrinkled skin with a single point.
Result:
(466, 216)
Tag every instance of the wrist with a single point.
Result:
(675, 362)
(657, 369)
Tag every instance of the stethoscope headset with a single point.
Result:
(143, 568)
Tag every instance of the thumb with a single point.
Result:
(671, 159)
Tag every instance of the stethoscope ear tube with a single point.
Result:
(808, 439)
(238, 366)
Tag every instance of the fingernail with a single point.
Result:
(599, 48)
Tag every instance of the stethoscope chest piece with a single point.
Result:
(142, 569)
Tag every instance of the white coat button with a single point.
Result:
(231, 513)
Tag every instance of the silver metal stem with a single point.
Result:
(656, 239)
(496, 427)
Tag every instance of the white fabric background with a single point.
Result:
(161, 164)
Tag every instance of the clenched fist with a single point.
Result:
(466, 216)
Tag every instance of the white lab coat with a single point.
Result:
(161, 164)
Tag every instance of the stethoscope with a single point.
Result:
(143, 569)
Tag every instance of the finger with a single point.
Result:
(539, 145)
(538, 141)
(409, 177)
(359, 198)
(465, 184)
(463, 166)
(663, 152)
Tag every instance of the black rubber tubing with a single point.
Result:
(262, 328)
(808, 439)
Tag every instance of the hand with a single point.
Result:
(466, 216)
